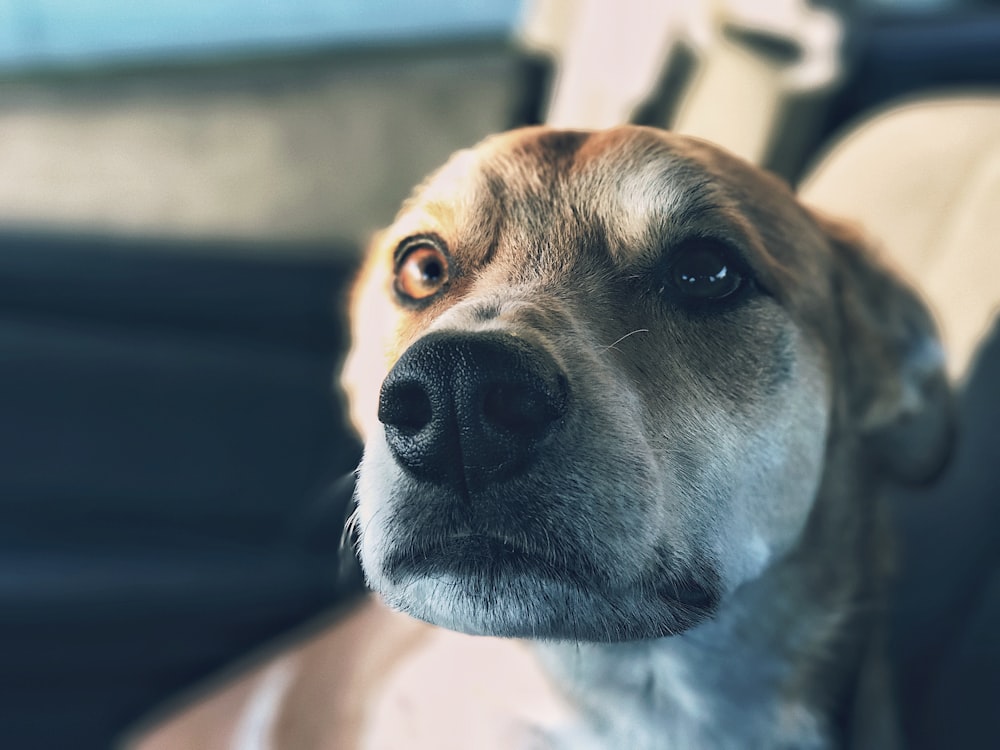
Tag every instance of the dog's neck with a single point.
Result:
(736, 681)
(773, 668)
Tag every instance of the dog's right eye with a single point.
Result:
(421, 272)
(704, 271)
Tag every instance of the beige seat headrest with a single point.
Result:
(923, 178)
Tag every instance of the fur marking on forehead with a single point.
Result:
(549, 200)
(630, 185)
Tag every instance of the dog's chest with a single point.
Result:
(459, 691)
(653, 696)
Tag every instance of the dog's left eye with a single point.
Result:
(421, 272)
(703, 270)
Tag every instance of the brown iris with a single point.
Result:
(422, 272)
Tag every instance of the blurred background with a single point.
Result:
(185, 190)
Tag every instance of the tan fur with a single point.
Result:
(748, 443)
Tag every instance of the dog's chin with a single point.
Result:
(481, 586)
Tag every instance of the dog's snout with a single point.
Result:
(470, 408)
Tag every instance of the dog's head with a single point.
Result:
(597, 375)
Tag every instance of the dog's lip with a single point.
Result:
(470, 554)
(467, 552)
(690, 594)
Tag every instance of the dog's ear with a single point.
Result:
(896, 385)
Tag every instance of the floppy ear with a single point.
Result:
(896, 386)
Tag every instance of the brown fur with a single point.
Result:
(770, 421)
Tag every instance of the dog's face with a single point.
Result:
(596, 374)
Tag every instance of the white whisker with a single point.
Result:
(353, 525)
(622, 338)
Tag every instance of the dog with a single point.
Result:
(628, 407)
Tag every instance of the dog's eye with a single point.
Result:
(704, 270)
(422, 271)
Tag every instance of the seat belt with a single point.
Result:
(753, 59)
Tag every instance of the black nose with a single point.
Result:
(470, 408)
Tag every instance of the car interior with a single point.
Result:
(180, 222)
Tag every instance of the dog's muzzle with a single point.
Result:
(470, 409)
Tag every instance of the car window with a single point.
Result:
(40, 32)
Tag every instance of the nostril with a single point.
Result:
(406, 406)
(522, 409)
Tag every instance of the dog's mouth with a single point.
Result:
(489, 562)
(474, 555)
